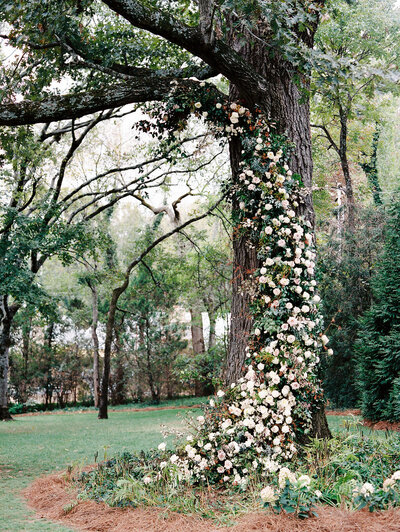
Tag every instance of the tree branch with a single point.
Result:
(214, 52)
(328, 136)
(177, 229)
(144, 88)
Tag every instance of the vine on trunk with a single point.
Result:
(254, 424)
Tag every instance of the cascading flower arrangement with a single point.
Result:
(252, 426)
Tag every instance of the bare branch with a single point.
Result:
(177, 229)
(328, 136)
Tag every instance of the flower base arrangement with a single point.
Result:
(343, 472)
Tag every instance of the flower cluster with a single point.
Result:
(293, 495)
(378, 498)
(253, 425)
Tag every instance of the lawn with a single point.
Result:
(34, 445)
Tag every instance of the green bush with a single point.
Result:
(378, 346)
(345, 266)
(24, 408)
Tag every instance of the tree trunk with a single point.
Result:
(198, 345)
(5, 342)
(212, 338)
(95, 338)
(196, 327)
(289, 108)
(105, 380)
(119, 377)
(351, 207)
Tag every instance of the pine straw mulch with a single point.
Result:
(382, 425)
(348, 412)
(53, 498)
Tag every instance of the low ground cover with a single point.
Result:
(355, 469)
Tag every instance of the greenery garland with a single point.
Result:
(253, 425)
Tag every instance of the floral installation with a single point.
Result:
(252, 426)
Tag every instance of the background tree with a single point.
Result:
(364, 64)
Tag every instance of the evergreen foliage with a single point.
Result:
(346, 265)
(378, 346)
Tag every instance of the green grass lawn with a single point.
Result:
(35, 445)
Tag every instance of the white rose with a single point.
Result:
(268, 495)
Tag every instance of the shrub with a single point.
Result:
(378, 346)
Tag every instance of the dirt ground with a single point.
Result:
(53, 498)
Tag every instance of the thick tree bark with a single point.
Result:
(5, 342)
(282, 103)
(289, 109)
(244, 263)
(196, 327)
